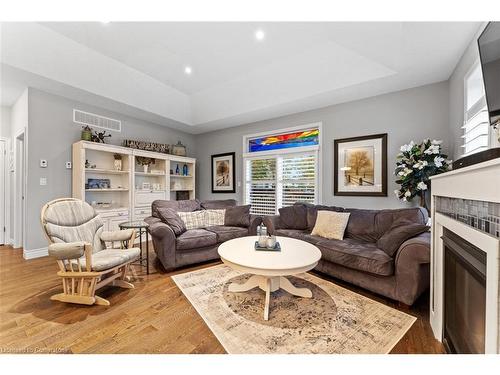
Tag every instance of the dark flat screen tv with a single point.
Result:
(489, 52)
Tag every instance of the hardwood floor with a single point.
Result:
(155, 317)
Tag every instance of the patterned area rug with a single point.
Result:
(335, 320)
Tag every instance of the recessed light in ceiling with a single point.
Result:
(188, 70)
(260, 35)
(105, 22)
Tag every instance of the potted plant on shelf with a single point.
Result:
(415, 164)
(145, 162)
(118, 162)
(86, 133)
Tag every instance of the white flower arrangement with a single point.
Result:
(415, 164)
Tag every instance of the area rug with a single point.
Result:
(335, 320)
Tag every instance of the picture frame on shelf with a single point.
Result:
(99, 183)
(224, 173)
(360, 166)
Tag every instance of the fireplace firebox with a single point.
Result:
(464, 295)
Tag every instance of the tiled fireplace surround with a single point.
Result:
(467, 202)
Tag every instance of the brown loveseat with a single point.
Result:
(194, 245)
(357, 259)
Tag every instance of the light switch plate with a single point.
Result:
(68, 165)
(43, 163)
(43, 181)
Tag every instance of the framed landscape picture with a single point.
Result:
(223, 173)
(360, 166)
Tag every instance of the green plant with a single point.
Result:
(415, 164)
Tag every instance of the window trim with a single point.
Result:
(475, 65)
(317, 150)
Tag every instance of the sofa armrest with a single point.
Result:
(412, 269)
(163, 241)
(414, 250)
(255, 221)
(272, 223)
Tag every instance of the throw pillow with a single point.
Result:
(170, 217)
(214, 217)
(194, 219)
(293, 217)
(401, 230)
(238, 216)
(331, 224)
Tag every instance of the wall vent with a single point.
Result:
(93, 120)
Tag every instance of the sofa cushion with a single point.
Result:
(331, 224)
(225, 233)
(361, 225)
(312, 212)
(303, 235)
(218, 204)
(178, 206)
(400, 231)
(172, 219)
(357, 255)
(238, 216)
(195, 238)
(293, 217)
(293, 233)
(386, 218)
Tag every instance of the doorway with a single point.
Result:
(19, 191)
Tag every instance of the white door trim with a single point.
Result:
(20, 181)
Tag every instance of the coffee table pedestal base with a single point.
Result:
(268, 285)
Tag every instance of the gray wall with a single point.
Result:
(51, 133)
(407, 115)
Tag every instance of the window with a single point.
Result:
(476, 121)
(282, 174)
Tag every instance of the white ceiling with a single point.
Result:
(235, 79)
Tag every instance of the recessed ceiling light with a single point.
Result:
(188, 70)
(105, 22)
(260, 35)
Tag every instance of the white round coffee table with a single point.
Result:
(269, 269)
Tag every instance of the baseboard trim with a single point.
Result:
(35, 253)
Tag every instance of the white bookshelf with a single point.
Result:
(131, 190)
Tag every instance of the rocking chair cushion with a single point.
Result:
(109, 258)
(117, 235)
(69, 250)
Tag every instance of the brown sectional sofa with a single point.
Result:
(356, 259)
(194, 245)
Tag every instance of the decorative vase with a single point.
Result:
(86, 135)
(179, 149)
(118, 164)
(185, 170)
(423, 201)
(177, 170)
(146, 167)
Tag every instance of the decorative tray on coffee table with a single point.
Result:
(276, 247)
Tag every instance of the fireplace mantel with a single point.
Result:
(480, 182)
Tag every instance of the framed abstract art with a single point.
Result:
(223, 173)
(360, 166)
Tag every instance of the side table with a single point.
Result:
(140, 227)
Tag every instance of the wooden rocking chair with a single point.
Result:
(78, 242)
